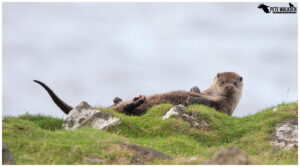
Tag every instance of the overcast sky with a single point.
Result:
(96, 51)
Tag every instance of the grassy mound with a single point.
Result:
(36, 139)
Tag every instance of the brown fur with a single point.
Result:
(195, 89)
(173, 97)
(217, 95)
(230, 98)
(61, 104)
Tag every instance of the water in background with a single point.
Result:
(96, 51)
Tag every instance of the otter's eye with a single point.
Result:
(222, 82)
(235, 83)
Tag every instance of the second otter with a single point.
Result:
(223, 94)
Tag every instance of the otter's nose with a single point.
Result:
(229, 87)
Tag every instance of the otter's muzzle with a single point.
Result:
(229, 88)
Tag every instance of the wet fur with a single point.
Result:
(173, 97)
(216, 96)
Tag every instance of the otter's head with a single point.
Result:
(229, 84)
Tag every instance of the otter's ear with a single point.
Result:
(218, 75)
(241, 78)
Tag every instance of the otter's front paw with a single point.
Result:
(117, 100)
(195, 89)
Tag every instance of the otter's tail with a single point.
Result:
(62, 105)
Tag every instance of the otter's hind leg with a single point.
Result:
(130, 107)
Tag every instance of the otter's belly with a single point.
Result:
(173, 97)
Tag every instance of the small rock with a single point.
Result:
(173, 111)
(85, 115)
(229, 156)
(185, 117)
(286, 135)
(7, 157)
(144, 154)
(192, 118)
(275, 109)
(195, 124)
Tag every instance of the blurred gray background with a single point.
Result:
(96, 51)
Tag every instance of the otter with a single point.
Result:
(117, 100)
(227, 87)
(223, 94)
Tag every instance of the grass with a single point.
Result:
(36, 139)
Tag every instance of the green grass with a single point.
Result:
(45, 122)
(36, 139)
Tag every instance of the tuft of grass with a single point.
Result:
(37, 139)
(45, 122)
